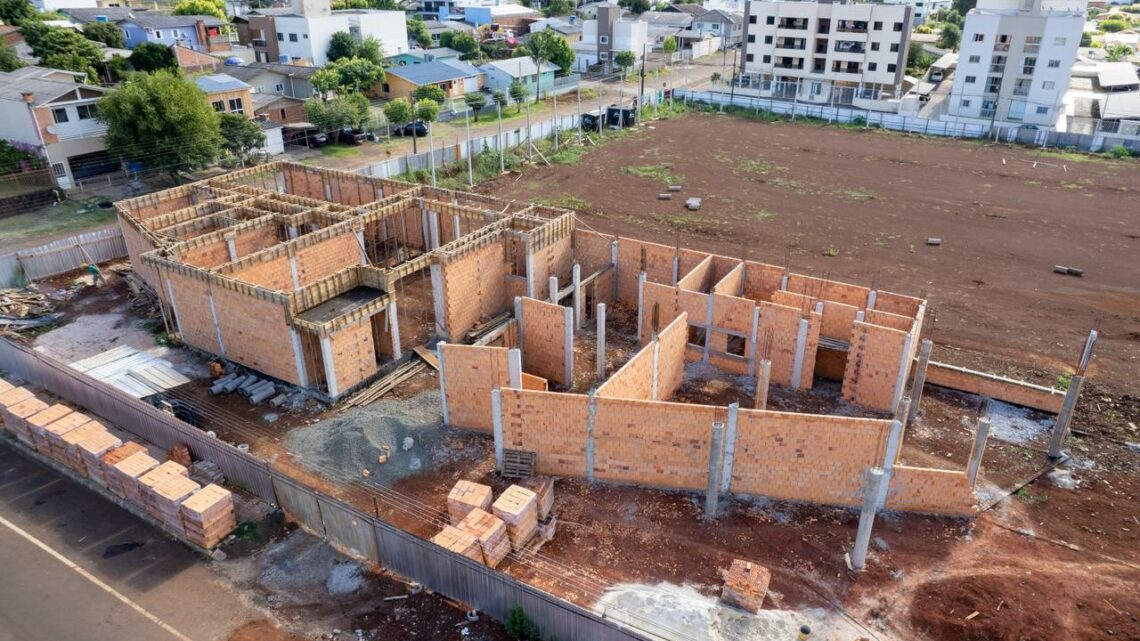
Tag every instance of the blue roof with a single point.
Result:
(219, 82)
(436, 71)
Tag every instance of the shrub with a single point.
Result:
(519, 626)
(1112, 26)
(1119, 151)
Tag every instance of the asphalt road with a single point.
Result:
(73, 566)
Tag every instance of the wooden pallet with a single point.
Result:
(518, 464)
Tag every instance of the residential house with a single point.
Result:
(200, 33)
(569, 27)
(726, 25)
(501, 73)
(419, 56)
(826, 52)
(691, 9)
(83, 15)
(607, 35)
(1015, 62)
(227, 94)
(436, 28)
(192, 61)
(513, 17)
(258, 30)
(306, 38)
(589, 10)
(49, 110)
(455, 77)
(278, 79)
(282, 110)
(663, 24)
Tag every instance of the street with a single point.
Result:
(75, 566)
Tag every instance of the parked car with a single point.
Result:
(936, 75)
(350, 136)
(306, 137)
(417, 128)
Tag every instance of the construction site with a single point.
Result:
(786, 437)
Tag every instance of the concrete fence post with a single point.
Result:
(497, 422)
(871, 490)
(801, 348)
(1061, 426)
(902, 410)
(640, 304)
(520, 331)
(980, 438)
(601, 355)
(762, 384)
(707, 347)
(568, 344)
(576, 275)
(729, 446)
(592, 412)
(716, 462)
(299, 357)
(442, 381)
(656, 366)
(514, 368)
(753, 340)
(439, 306)
(330, 369)
(894, 444)
(553, 285)
(919, 378)
(394, 330)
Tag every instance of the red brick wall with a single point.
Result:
(873, 366)
(699, 278)
(354, 357)
(887, 319)
(591, 250)
(837, 320)
(474, 287)
(671, 357)
(760, 280)
(323, 259)
(1003, 389)
(275, 274)
(256, 334)
(652, 443)
(804, 457)
(556, 259)
(194, 317)
(779, 327)
(255, 239)
(658, 268)
(543, 335)
(211, 255)
(551, 424)
(137, 245)
(732, 282)
(470, 372)
(917, 489)
(634, 380)
(897, 303)
(828, 290)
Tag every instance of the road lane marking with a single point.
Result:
(94, 579)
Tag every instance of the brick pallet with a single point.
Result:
(112, 457)
(148, 481)
(16, 418)
(491, 532)
(168, 496)
(37, 424)
(543, 486)
(123, 477)
(69, 444)
(57, 448)
(455, 540)
(12, 396)
(92, 447)
(208, 516)
(745, 585)
(518, 508)
(467, 496)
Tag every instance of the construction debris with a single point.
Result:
(180, 454)
(141, 295)
(23, 303)
(1069, 271)
(745, 585)
(487, 327)
(934, 241)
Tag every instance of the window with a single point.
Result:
(603, 55)
(603, 40)
(872, 66)
(306, 36)
(751, 37)
(749, 58)
(1047, 85)
(1032, 40)
(735, 345)
(235, 105)
(696, 336)
(716, 26)
(1028, 65)
(59, 115)
(892, 68)
(751, 19)
(975, 59)
(59, 170)
(971, 79)
(280, 37)
(279, 87)
(1054, 64)
(158, 34)
(898, 26)
(218, 105)
(874, 46)
(1042, 110)
(770, 20)
(816, 88)
(965, 102)
(878, 26)
(292, 37)
(282, 114)
(978, 37)
(86, 112)
(766, 59)
(1059, 42)
(895, 47)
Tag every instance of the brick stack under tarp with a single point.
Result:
(491, 532)
(93, 446)
(56, 447)
(460, 542)
(467, 496)
(39, 421)
(543, 486)
(208, 516)
(745, 585)
(123, 477)
(518, 508)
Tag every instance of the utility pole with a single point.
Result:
(579, 123)
(555, 98)
(732, 79)
(641, 91)
(470, 173)
(502, 154)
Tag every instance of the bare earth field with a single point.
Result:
(858, 206)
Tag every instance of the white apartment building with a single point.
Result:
(304, 35)
(606, 35)
(1015, 62)
(826, 52)
(923, 9)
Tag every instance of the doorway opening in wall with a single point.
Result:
(314, 362)
(830, 364)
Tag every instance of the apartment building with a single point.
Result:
(1015, 62)
(304, 34)
(826, 52)
(607, 34)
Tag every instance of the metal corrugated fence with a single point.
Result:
(61, 256)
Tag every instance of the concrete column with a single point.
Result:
(294, 272)
(707, 347)
(871, 489)
(442, 381)
(217, 326)
(600, 317)
(520, 330)
(716, 464)
(514, 368)
(871, 298)
(529, 272)
(299, 357)
(752, 341)
(919, 378)
(576, 275)
(591, 413)
(173, 306)
(330, 366)
(438, 305)
(568, 344)
(980, 438)
(455, 226)
(762, 384)
(433, 229)
(904, 367)
(640, 304)
(614, 266)
(859, 316)
(894, 443)
(902, 410)
(801, 348)
(394, 329)
(656, 365)
(497, 426)
(729, 446)
(292, 232)
(363, 250)
(231, 246)
(384, 230)
(676, 270)
(784, 283)
(1086, 353)
(1061, 426)
(552, 285)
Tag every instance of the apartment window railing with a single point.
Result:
(849, 47)
(258, 42)
(1027, 70)
(1032, 48)
(852, 26)
(789, 65)
(987, 113)
(791, 43)
(1001, 46)
(997, 68)
(1021, 91)
(793, 23)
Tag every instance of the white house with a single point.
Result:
(826, 52)
(56, 5)
(304, 35)
(1015, 62)
(607, 35)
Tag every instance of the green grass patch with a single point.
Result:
(70, 216)
(565, 201)
(660, 173)
(341, 151)
(1070, 156)
(763, 214)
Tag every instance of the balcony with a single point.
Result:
(987, 113)
(851, 26)
(999, 69)
(789, 64)
(258, 43)
(1021, 91)
(847, 46)
(1001, 46)
(1028, 70)
(1031, 48)
(798, 44)
(792, 23)
(87, 128)
(824, 26)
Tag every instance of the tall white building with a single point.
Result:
(825, 52)
(1015, 62)
(923, 9)
(304, 35)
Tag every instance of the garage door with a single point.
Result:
(87, 165)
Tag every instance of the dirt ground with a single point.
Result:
(858, 206)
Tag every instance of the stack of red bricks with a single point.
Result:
(208, 516)
(745, 585)
(491, 533)
(167, 498)
(123, 477)
(543, 487)
(456, 540)
(11, 396)
(150, 480)
(467, 496)
(91, 448)
(518, 508)
(37, 424)
(56, 447)
(16, 417)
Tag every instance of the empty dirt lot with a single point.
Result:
(858, 205)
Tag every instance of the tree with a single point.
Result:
(67, 49)
(553, 48)
(1086, 39)
(216, 8)
(1112, 26)
(418, 33)
(398, 111)
(636, 6)
(429, 92)
(107, 33)
(518, 92)
(499, 99)
(558, 8)
(963, 6)
(343, 111)
(341, 46)
(476, 101)
(150, 56)
(917, 60)
(162, 120)
(1117, 52)
(464, 43)
(355, 74)
(17, 11)
(9, 61)
(669, 45)
(950, 37)
(625, 60)
(325, 82)
(240, 135)
(371, 50)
